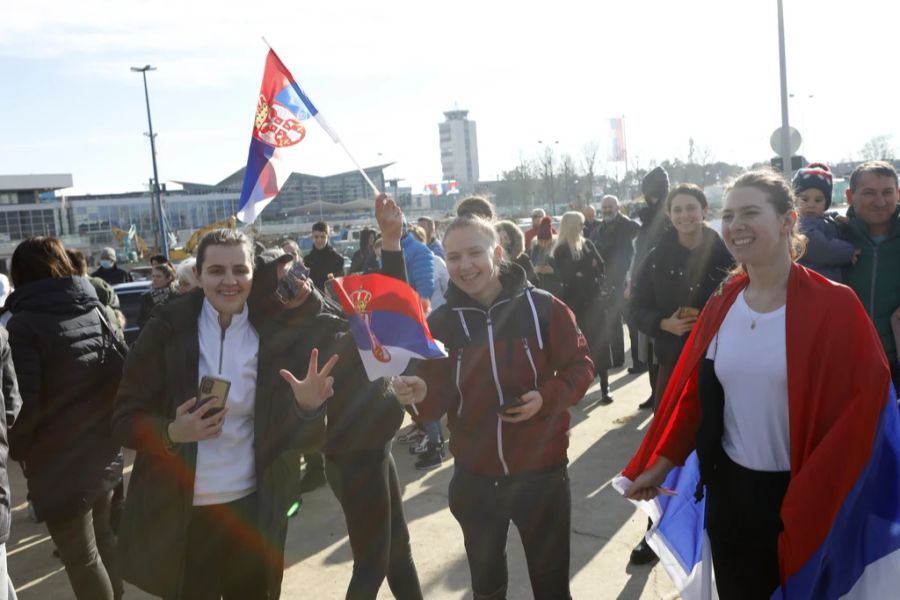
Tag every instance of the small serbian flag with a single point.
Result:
(617, 151)
(387, 323)
(278, 129)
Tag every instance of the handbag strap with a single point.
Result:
(117, 344)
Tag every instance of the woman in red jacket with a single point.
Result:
(516, 362)
(781, 380)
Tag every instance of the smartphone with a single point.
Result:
(503, 409)
(289, 286)
(688, 312)
(212, 390)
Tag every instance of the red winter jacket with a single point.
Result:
(526, 340)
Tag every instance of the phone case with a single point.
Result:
(215, 390)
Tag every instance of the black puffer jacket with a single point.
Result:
(12, 402)
(676, 277)
(63, 433)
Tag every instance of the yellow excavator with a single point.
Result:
(140, 245)
(189, 246)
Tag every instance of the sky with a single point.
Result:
(384, 72)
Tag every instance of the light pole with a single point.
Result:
(154, 190)
(548, 170)
(785, 128)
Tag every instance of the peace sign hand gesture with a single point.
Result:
(312, 392)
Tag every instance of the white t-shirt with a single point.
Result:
(226, 465)
(751, 364)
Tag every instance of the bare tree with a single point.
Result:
(589, 153)
(878, 148)
(569, 172)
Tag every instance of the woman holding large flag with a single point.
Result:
(785, 393)
(516, 363)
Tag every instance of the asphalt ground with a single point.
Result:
(318, 561)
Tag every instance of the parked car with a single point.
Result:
(141, 273)
(130, 302)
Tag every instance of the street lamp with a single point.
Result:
(548, 170)
(163, 238)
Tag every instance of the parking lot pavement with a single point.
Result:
(318, 562)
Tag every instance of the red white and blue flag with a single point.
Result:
(617, 152)
(841, 512)
(387, 323)
(278, 129)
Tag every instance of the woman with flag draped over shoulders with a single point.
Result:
(785, 394)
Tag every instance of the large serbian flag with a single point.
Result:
(278, 128)
(387, 323)
(841, 512)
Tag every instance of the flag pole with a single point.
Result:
(330, 131)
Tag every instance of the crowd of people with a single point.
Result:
(529, 320)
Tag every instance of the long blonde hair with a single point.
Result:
(570, 233)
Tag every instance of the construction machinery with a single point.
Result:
(187, 250)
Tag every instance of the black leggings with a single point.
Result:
(87, 548)
(743, 523)
(366, 485)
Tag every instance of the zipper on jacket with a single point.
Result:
(490, 329)
(874, 279)
(459, 354)
(221, 347)
(530, 361)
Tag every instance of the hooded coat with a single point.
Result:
(63, 434)
(526, 340)
(161, 373)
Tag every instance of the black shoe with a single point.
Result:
(312, 480)
(637, 367)
(643, 554)
(606, 400)
(646, 404)
(432, 458)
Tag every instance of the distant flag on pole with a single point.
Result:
(387, 323)
(617, 152)
(278, 129)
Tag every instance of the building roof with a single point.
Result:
(237, 178)
(43, 181)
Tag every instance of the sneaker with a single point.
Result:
(421, 447)
(637, 367)
(432, 458)
(312, 480)
(606, 400)
(646, 404)
(412, 435)
(643, 554)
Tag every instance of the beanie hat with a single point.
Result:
(545, 232)
(655, 184)
(815, 176)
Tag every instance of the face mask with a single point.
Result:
(106, 263)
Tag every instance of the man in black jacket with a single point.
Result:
(323, 260)
(614, 238)
(12, 402)
(109, 271)
(363, 417)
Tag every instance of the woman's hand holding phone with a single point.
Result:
(192, 426)
(312, 392)
(531, 403)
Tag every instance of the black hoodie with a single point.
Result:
(63, 433)
(362, 414)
